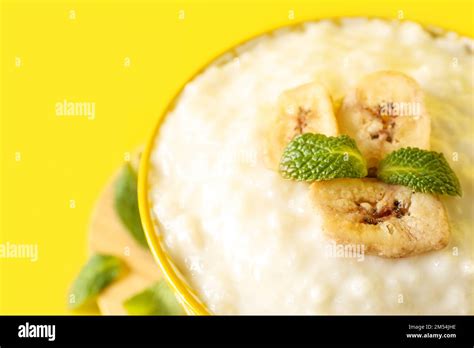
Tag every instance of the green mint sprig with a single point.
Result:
(96, 275)
(422, 170)
(316, 157)
(126, 203)
(155, 300)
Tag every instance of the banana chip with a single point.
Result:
(388, 220)
(304, 109)
(383, 113)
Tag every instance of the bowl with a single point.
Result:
(183, 291)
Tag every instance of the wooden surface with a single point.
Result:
(108, 235)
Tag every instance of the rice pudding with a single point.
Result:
(248, 241)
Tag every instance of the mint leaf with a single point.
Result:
(310, 157)
(126, 203)
(98, 272)
(156, 300)
(421, 170)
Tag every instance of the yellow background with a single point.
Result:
(82, 59)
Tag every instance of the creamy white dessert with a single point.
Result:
(248, 241)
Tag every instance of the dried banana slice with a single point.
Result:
(388, 220)
(304, 109)
(384, 112)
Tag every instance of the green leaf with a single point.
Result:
(98, 273)
(156, 300)
(310, 157)
(126, 203)
(421, 170)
